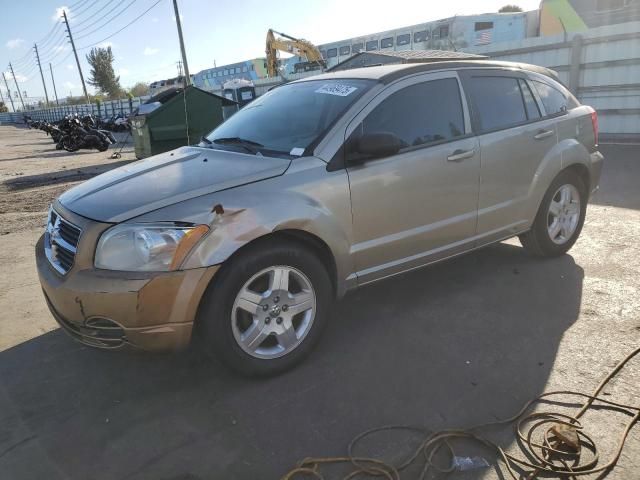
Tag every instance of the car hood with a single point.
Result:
(165, 179)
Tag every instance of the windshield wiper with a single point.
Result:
(204, 139)
(249, 145)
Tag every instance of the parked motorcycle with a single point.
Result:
(77, 137)
(90, 123)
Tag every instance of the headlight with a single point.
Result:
(146, 247)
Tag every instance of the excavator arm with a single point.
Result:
(294, 46)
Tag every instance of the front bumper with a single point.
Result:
(108, 309)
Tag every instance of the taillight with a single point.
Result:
(594, 122)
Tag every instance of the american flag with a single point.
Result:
(483, 37)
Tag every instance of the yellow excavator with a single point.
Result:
(294, 46)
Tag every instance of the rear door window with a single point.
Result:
(497, 102)
(420, 114)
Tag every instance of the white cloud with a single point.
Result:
(69, 85)
(155, 19)
(14, 43)
(70, 67)
(123, 72)
(58, 15)
(19, 77)
(60, 48)
(150, 51)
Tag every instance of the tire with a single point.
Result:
(542, 240)
(223, 326)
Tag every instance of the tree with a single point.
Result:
(80, 100)
(102, 75)
(140, 89)
(3, 107)
(510, 8)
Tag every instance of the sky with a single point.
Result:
(214, 31)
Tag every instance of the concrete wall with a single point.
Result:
(601, 66)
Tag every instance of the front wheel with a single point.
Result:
(266, 309)
(560, 217)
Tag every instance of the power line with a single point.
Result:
(66, 57)
(55, 31)
(77, 4)
(107, 22)
(82, 11)
(56, 53)
(105, 5)
(126, 26)
(26, 60)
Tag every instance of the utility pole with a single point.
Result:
(84, 87)
(46, 95)
(187, 77)
(179, 63)
(54, 84)
(8, 92)
(17, 87)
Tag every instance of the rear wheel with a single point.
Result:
(266, 309)
(69, 144)
(560, 218)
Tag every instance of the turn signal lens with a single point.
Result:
(186, 244)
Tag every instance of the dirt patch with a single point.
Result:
(33, 174)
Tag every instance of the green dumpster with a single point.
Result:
(175, 118)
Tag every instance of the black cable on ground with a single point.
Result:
(565, 450)
(118, 154)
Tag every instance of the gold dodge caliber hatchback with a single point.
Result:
(315, 188)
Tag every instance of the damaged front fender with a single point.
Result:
(307, 199)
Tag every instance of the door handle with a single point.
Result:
(459, 155)
(543, 134)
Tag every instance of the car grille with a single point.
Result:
(60, 242)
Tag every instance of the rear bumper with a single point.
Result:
(595, 170)
(112, 310)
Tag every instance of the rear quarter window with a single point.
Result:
(555, 99)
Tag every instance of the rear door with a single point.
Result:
(514, 139)
(419, 204)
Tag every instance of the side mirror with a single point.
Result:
(378, 144)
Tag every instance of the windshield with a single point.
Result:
(290, 119)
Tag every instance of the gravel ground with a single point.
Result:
(460, 343)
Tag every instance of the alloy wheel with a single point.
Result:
(564, 214)
(273, 312)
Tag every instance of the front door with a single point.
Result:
(421, 203)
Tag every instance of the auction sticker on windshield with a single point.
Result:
(336, 89)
